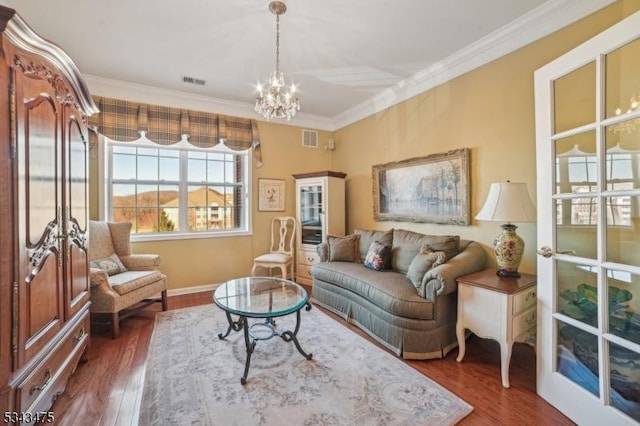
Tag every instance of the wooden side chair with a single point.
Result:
(283, 235)
(121, 282)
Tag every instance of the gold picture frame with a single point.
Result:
(271, 195)
(432, 189)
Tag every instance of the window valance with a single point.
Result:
(124, 121)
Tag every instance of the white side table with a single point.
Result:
(503, 309)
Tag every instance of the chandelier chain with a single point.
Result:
(278, 43)
(275, 99)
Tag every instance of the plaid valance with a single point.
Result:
(124, 121)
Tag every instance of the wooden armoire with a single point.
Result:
(44, 284)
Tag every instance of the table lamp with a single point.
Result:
(508, 202)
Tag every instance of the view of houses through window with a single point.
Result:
(177, 189)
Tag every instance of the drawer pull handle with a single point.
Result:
(531, 320)
(531, 295)
(310, 259)
(47, 375)
(76, 339)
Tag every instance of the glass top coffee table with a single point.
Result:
(265, 298)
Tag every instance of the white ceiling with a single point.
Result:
(348, 58)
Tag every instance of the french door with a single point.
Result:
(588, 166)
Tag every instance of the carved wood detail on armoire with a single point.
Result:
(44, 279)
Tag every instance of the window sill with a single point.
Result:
(187, 236)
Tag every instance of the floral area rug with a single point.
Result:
(193, 378)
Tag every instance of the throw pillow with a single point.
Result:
(343, 249)
(367, 237)
(377, 256)
(406, 244)
(422, 262)
(111, 265)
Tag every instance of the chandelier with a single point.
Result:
(276, 100)
(628, 126)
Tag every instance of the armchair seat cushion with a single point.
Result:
(126, 282)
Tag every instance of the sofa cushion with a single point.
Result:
(378, 256)
(343, 249)
(406, 244)
(131, 280)
(110, 264)
(368, 237)
(388, 290)
(422, 262)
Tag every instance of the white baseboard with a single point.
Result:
(190, 290)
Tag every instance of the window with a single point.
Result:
(176, 191)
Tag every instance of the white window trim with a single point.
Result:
(104, 190)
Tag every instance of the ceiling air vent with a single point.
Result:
(193, 80)
(309, 138)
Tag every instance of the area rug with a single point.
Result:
(193, 378)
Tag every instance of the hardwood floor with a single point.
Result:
(106, 390)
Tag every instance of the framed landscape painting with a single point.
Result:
(431, 189)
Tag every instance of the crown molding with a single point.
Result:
(118, 89)
(540, 22)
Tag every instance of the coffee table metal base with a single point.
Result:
(251, 339)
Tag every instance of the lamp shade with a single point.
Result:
(508, 202)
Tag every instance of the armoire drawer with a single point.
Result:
(50, 377)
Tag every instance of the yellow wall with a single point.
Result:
(489, 110)
(195, 262)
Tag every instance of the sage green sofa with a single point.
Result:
(416, 320)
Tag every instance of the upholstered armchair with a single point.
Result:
(121, 282)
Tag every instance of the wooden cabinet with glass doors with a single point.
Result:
(320, 198)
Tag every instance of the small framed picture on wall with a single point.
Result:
(271, 193)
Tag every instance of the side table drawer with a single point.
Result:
(523, 322)
(524, 300)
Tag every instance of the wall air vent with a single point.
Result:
(309, 138)
(193, 80)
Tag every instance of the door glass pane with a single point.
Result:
(623, 159)
(622, 68)
(577, 357)
(623, 229)
(624, 368)
(576, 231)
(311, 214)
(576, 165)
(575, 98)
(577, 291)
(624, 304)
